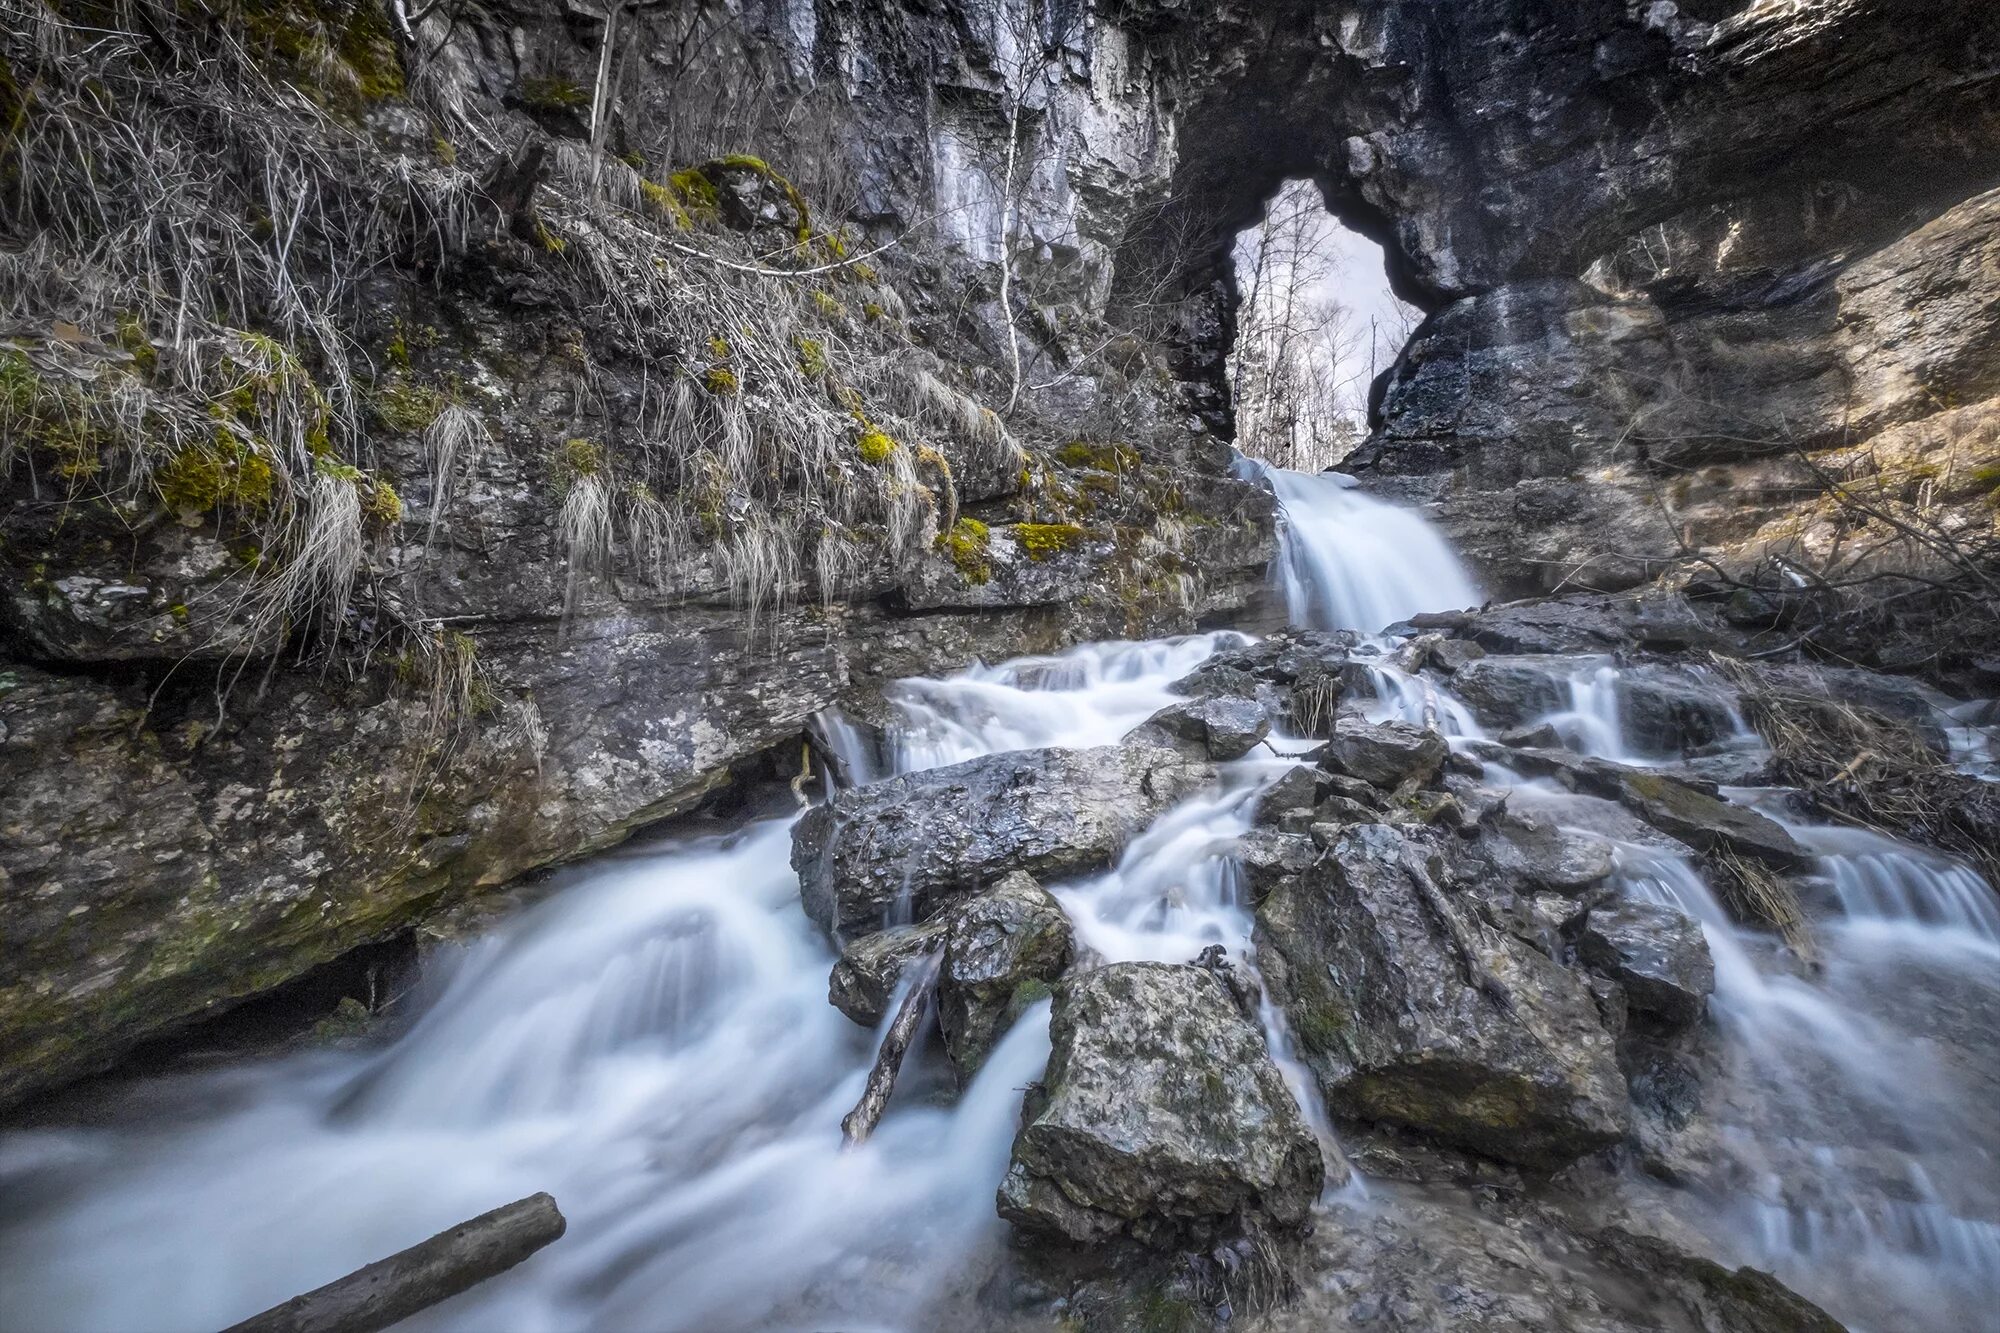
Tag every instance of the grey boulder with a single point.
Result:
(1162, 1119)
(1220, 728)
(907, 846)
(1385, 753)
(1502, 1051)
(1657, 954)
(1004, 950)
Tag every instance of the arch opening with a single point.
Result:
(1317, 324)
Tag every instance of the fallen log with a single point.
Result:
(424, 1275)
(858, 1124)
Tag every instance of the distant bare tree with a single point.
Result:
(1303, 360)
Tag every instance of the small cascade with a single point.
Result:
(1349, 561)
(1090, 695)
(1881, 882)
(1594, 724)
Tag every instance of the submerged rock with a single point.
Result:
(869, 969)
(911, 843)
(1451, 1029)
(1163, 1118)
(1658, 954)
(1003, 951)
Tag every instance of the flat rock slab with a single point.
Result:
(904, 847)
(1163, 1118)
(1222, 728)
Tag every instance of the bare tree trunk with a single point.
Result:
(859, 1123)
(395, 1288)
(600, 97)
(1007, 246)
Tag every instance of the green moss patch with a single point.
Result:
(967, 544)
(1042, 540)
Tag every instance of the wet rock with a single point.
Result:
(1658, 954)
(1269, 856)
(1299, 789)
(1741, 1300)
(1003, 951)
(1540, 735)
(1501, 1051)
(1533, 850)
(1386, 754)
(869, 970)
(1221, 728)
(1512, 691)
(1540, 920)
(1586, 623)
(1452, 654)
(910, 843)
(1707, 823)
(1164, 1119)
(1661, 709)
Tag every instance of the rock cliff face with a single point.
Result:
(496, 463)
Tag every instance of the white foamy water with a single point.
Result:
(652, 1045)
(1091, 695)
(1349, 561)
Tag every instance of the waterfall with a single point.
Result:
(652, 1044)
(1349, 561)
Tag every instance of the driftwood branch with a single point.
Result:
(395, 1288)
(858, 1124)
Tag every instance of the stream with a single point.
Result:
(652, 1044)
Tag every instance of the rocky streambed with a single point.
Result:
(1498, 972)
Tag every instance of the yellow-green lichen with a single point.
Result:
(132, 337)
(663, 201)
(1042, 540)
(380, 503)
(695, 192)
(344, 56)
(1108, 457)
(547, 92)
(228, 471)
(721, 381)
(967, 544)
(802, 216)
(576, 458)
(875, 444)
(827, 306)
(405, 406)
(812, 358)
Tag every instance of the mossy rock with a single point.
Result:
(967, 544)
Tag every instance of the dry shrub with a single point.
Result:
(1861, 767)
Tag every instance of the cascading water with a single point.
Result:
(653, 1045)
(1837, 1114)
(1349, 561)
